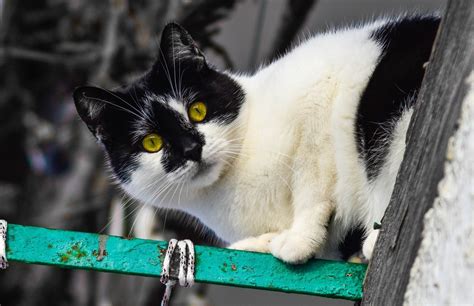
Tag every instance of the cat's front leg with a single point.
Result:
(307, 234)
(259, 244)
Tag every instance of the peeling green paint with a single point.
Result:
(213, 265)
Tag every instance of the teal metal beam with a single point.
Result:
(77, 250)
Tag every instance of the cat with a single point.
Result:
(292, 159)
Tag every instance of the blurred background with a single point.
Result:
(52, 173)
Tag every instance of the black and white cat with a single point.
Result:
(288, 160)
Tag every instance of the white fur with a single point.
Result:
(289, 160)
(177, 106)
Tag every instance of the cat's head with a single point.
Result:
(174, 127)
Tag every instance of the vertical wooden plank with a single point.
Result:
(434, 121)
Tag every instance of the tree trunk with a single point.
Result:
(443, 260)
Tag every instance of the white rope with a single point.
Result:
(185, 270)
(3, 240)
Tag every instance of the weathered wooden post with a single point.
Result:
(425, 252)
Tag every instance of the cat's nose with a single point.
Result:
(192, 150)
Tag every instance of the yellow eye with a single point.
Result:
(197, 111)
(152, 143)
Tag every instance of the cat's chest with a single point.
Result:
(254, 202)
(262, 181)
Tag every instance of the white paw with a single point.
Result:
(292, 247)
(369, 244)
(254, 244)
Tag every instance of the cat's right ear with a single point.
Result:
(90, 103)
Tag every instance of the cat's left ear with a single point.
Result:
(91, 102)
(177, 45)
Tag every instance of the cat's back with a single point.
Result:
(350, 84)
(343, 62)
(334, 54)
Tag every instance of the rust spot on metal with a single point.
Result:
(80, 254)
(75, 251)
(224, 267)
(63, 257)
(102, 252)
(50, 246)
(233, 267)
(162, 254)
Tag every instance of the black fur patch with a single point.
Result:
(352, 242)
(120, 119)
(393, 86)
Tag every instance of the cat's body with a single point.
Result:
(309, 143)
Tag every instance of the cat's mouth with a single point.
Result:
(203, 169)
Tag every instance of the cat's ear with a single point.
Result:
(177, 45)
(90, 103)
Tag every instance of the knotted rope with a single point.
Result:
(3, 242)
(185, 269)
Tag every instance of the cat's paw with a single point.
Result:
(292, 247)
(254, 244)
(369, 244)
